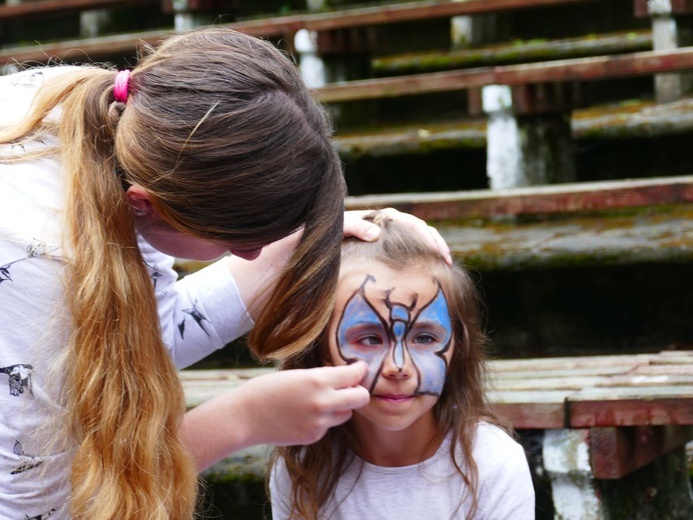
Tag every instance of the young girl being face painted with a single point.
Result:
(427, 443)
(398, 322)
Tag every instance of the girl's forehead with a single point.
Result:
(380, 281)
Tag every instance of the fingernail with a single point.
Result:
(372, 234)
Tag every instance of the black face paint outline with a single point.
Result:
(400, 317)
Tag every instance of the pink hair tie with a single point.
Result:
(120, 89)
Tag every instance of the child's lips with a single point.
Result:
(394, 398)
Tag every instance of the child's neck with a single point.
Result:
(395, 448)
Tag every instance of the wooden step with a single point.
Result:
(285, 26)
(45, 8)
(576, 69)
(616, 399)
(515, 52)
(600, 223)
(629, 119)
(579, 224)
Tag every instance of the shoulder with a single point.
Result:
(506, 490)
(495, 450)
(17, 90)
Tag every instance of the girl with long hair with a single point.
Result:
(211, 144)
(426, 445)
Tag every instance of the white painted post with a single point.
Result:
(504, 160)
(527, 150)
(184, 19)
(665, 36)
(466, 30)
(311, 64)
(91, 23)
(566, 461)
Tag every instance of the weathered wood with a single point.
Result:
(386, 14)
(89, 48)
(577, 69)
(651, 406)
(543, 393)
(537, 200)
(615, 452)
(281, 26)
(621, 121)
(51, 7)
(531, 416)
(516, 52)
(202, 385)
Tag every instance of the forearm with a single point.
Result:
(292, 407)
(216, 428)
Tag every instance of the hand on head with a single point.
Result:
(355, 226)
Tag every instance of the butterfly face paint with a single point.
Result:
(407, 330)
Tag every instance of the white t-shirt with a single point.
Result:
(198, 314)
(430, 490)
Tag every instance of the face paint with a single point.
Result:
(364, 334)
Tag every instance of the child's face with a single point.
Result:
(399, 323)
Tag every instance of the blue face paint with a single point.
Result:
(363, 334)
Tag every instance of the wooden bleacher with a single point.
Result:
(472, 223)
(284, 26)
(613, 398)
(43, 8)
(625, 411)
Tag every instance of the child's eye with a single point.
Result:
(424, 339)
(370, 341)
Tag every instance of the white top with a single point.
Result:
(430, 490)
(198, 314)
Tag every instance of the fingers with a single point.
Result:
(441, 245)
(350, 399)
(355, 226)
(428, 233)
(345, 375)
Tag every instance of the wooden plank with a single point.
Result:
(515, 52)
(663, 236)
(615, 452)
(576, 69)
(542, 382)
(663, 369)
(637, 407)
(570, 363)
(202, 385)
(558, 198)
(385, 14)
(531, 416)
(89, 48)
(617, 370)
(50, 7)
(281, 26)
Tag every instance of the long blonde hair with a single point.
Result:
(222, 132)
(315, 470)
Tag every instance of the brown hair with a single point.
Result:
(315, 470)
(220, 129)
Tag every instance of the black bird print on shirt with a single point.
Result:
(155, 273)
(20, 378)
(41, 517)
(26, 461)
(5, 271)
(196, 315)
(28, 79)
(36, 249)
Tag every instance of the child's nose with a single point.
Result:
(398, 363)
